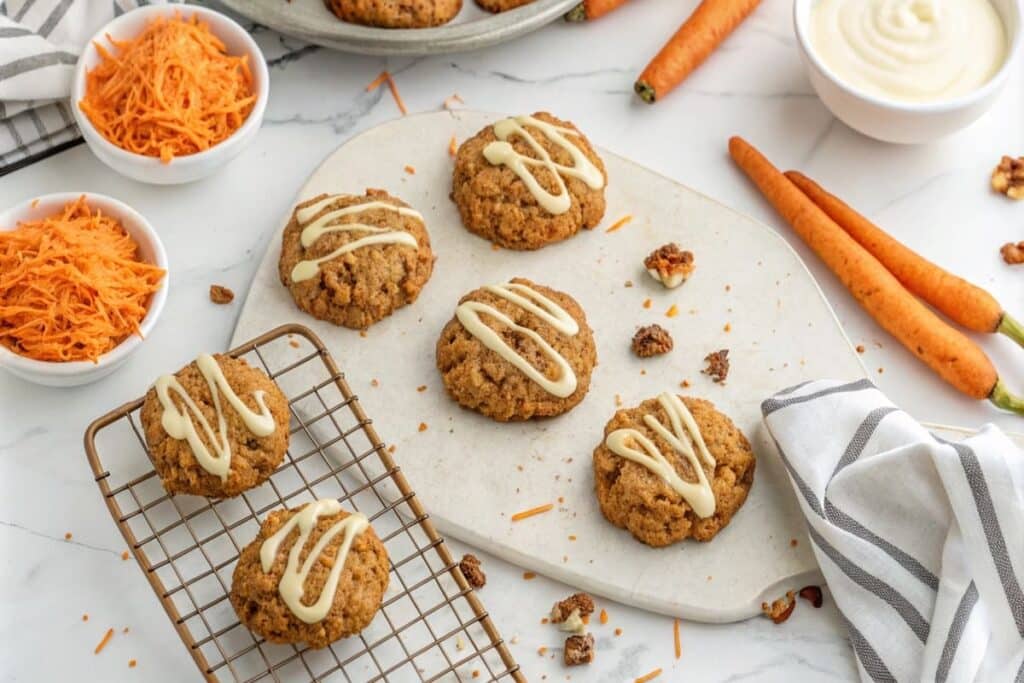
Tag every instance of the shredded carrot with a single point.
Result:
(541, 651)
(124, 555)
(529, 576)
(675, 638)
(648, 677)
(423, 426)
(452, 146)
(71, 287)
(375, 83)
(171, 91)
(394, 93)
(103, 643)
(585, 619)
(411, 170)
(619, 223)
(603, 617)
(540, 509)
(672, 311)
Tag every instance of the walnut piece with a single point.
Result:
(651, 340)
(470, 568)
(580, 602)
(813, 595)
(780, 609)
(221, 295)
(1012, 253)
(669, 265)
(1008, 177)
(579, 650)
(718, 365)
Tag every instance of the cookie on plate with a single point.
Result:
(497, 6)
(395, 13)
(517, 351)
(354, 260)
(672, 468)
(216, 428)
(279, 598)
(528, 181)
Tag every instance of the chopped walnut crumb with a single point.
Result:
(780, 609)
(860, 348)
(629, 283)
(1008, 177)
(221, 295)
(651, 340)
(718, 365)
(470, 568)
(685, 384)
(579, 650)
(1012, 253)
(670, 265)
(577, 601)
(421, 388)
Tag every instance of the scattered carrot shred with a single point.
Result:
(423, 426)
(125, 555)
(585, 619)
(375, 83)
(603, 616)
(71, 287)
(647, 303)
(529, 576)
(103, 643)
(397, 97)
(541, 650)
(675, 638)
(171, 91)
(672, 311)
(540, 509)
(544, 620)
(294, 344)
(619, 223)
(411, 170)
(452, 146)
(648, 677)
(132, 663)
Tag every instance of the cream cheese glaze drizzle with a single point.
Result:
(291, 587)
(698, 495)
(469, 312)
(501, 152)
(181, 423)
(314, 229)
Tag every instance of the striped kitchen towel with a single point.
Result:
(39, 44)
(920, 540)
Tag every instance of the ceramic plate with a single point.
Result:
(750, 293)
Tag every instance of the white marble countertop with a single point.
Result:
(935, 197)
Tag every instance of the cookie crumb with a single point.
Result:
(780, 610)
(132, 663)
(860, 348)
(529, 576)
(423, 426)
(793, 543)
(1008, 177)
(391, 448)
(629, 283)
(577, 602)
(669, 265)
(881, 370)
(718, 365)
(67, 536)
(453, 146)
(579, 650)
(651, 340)
(85, 617)
(618, 400)
(362, 333)
(294, 344)
(421, 388)
(813, 595)
(672, 311)
(728, 327)
(647, 303)
(470, 568)
(220, 294)
(125, 555)
(618, 632)
(1013, 254)
(411, 170)
(542, 650)
(685, 384)
(374, 383)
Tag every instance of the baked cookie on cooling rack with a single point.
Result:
(284, 594)
(216, 428)
(672, 468)
(395, 13)
(517, 351)
(528, 181)
(353, 260)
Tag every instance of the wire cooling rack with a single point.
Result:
(431, 626)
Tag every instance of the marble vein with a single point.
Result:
(59, 539)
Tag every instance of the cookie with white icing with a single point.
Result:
(353, 260)
(216, 428)
(672, 468)
(528, 181)
(279, 594)
(517, 350)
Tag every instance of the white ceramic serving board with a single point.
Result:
(472, 473)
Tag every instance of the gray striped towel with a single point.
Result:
(39, 44)
(920, 540)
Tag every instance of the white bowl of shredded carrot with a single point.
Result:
(83, 279)
(168, 94)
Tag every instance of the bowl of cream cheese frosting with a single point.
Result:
(907, 71)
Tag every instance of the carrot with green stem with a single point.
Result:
(962, 302)
(946, 350)
(696, 39)
(588, 10)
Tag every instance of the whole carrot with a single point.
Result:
(962, 302)
(588, 10)
(696, 39)
(944, 349)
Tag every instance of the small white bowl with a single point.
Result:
(191, 167)
(904, 122)
(151, 250)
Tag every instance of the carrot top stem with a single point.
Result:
(646, 92)
(577, 13)
(1011, 328)
(1002, 397)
